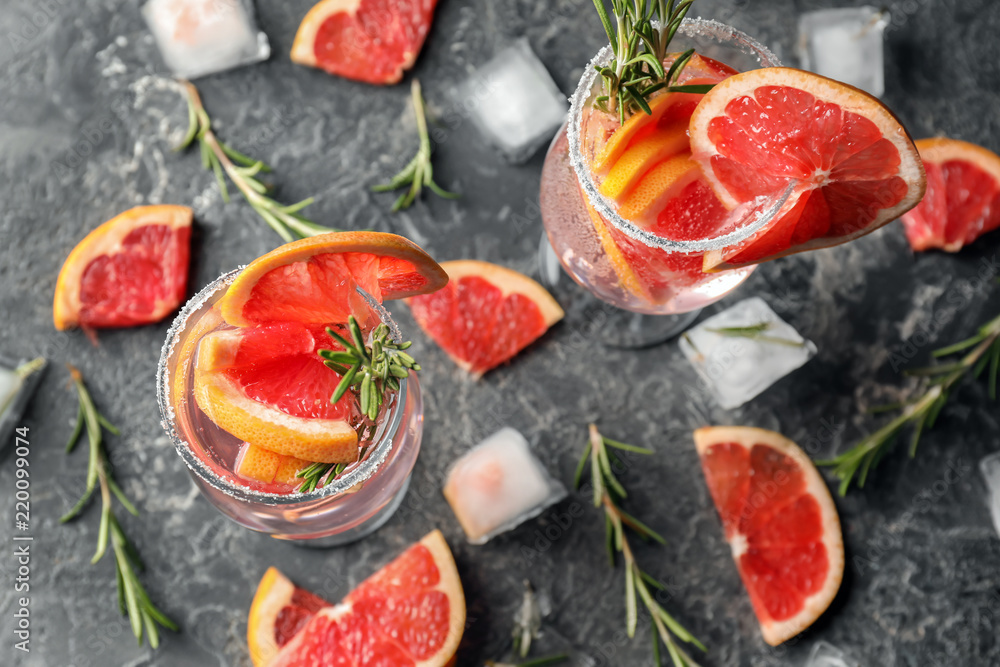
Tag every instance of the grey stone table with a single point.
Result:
(86, 126)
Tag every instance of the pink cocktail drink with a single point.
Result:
(356, 498)
(627, 208)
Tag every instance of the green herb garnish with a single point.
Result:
(608, 493)
(639, 48)
(419, 172)
(133, 600)
(372, 370)
(981, 351)
(242, 171)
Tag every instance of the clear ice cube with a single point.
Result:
(17, 385)
(498, 485)
(738, 368)
(514, 102)
(990, 467)
(824, 654)
(846, 45)
(201, 37)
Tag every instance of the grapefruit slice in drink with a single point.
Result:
(963, 195)
(132, 270)
(855, 166)
(486, 314)
(780, 521)
(411, 613)
(267, 385)
(367, 40)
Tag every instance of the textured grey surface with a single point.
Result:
(77, 91)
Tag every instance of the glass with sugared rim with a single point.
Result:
(351, 505)
(646, 264)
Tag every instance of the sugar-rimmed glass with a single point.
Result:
(568, 186)
(354, 504)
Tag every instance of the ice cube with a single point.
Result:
(738, 368)
(514, 102)
(846, 45)
(17, 384)
(990, 467)
(498, 485)
(828, 655)
(200, 37)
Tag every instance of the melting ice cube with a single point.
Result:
(737, 368)
(17, 384)
(828, 655)
(846, 45)
(990, 467)
(498, 485)
(200, 37)
(513, 101)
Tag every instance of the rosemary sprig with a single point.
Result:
(639, 48)
(980, 351)
(756, 332)
(608, 493)
(419, 172)
(242, 171)
(133, 600)
(372, 370)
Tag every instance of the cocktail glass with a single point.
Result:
(350, 506)
(570, 199)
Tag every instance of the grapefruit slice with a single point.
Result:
(264, 466)
(963, 195)
(131, 270)
(278, 611)
(780, 522)
(856, 166)
(411, 613)
(486, 314)
(367, 40)
(313, 281)
(267, 386)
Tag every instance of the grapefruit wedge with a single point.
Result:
(373, 41)
(963, 195)
(411, 613)
(486, 314)
(856, 167)
(267, 385)
(131, 270)
(780, 522)
(313, 281)
(264, 466)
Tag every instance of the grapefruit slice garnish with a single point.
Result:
(131, 270)
(658, 186)
(264, 466)
(411, 613)
(267, 386)
(642, 155)
(780, 522)
(486, 314)
(856, 166)
(367, 40)
(313, 281)
(963, 195)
